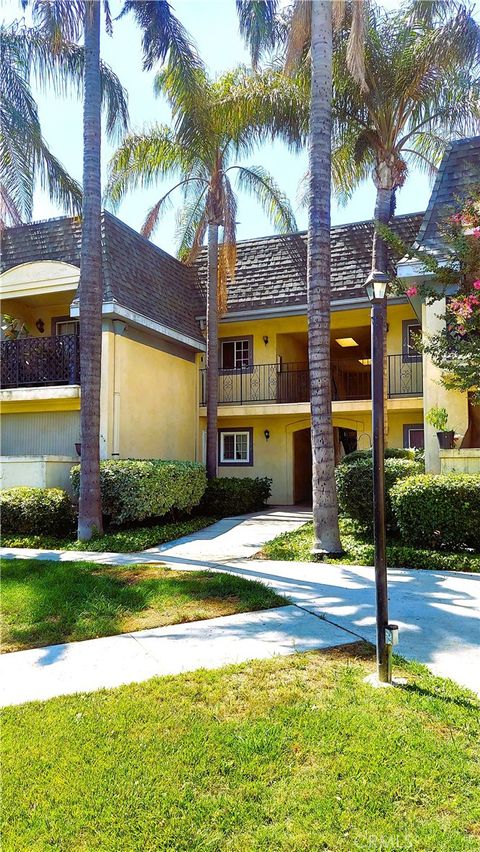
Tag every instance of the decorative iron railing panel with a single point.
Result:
(39, 361)
(287, 383)
(405, 375)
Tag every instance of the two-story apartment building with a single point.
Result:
(153, 370)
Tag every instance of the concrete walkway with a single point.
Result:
(438, 612)
(132, 657)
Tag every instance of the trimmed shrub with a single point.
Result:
(439, 510)
(390, 453)
(135, 489)
(232, 495)
(36, 511)
(355, 487)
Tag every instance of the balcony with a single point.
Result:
(290, 383)
(32, 362)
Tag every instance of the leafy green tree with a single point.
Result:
(422, 90)
(201, 154)
(163, 37)
(29, 55)
(306, 34)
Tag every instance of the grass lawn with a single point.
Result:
(358, 546)
(295, 753)
(45, 603)
(114, 541)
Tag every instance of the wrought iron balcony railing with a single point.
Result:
(282, 383)
(39, 361)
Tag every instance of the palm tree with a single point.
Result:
(309, 34)
(24, 155)
(421, 71)
(163, 37)
(200, 154)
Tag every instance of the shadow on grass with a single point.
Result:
(46, 603)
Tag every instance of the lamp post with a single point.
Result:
(376, 286)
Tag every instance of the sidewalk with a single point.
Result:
(43, 673)
(438, 611)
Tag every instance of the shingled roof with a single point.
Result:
(137, 274)
(458, 172)
(272, 271)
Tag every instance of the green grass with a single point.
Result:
(114, 541)
(358, 546)
(291, 754)
(45, 603)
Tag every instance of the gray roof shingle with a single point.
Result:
(458, 172)
(137, 274)
(272, 271)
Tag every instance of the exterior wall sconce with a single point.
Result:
(40, 325)
(265, 339)
(267, 434)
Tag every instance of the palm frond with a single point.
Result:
(259, 183)
(299, 37)
(257, 21)
(142, 159)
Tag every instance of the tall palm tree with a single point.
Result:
(200, 153)
(163, 37)
(423, 90)
(25, 157)
(308, 35)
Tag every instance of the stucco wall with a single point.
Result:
(36, 471)
(434, 393)
(154, 404)
(460, 461)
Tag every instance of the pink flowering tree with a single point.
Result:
(456, 275)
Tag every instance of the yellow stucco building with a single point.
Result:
(153, 353)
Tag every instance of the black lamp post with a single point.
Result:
(376, 286)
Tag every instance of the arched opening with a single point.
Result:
(302, 466)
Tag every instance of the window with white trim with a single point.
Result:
(235, 354)
(411, 332)
(413, 436)
(235, 447)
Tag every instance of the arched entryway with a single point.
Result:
(302, 466)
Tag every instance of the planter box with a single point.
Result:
(460, 461)
(37, 471)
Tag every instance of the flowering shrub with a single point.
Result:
(455, 349)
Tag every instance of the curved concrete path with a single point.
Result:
(438, 611)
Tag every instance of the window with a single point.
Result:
(411, 330)
(235, 354)
(65, 325)
(413, 436)
(235, 447)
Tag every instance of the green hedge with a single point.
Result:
(439, 510)
(231, 495)
(390, 453)
(133, 489)
(36, 511)
(355, 487)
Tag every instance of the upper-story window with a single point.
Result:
(236, 353)
(65, 325)
(412, 330)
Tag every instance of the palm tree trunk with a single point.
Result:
(91, 285)
(212, 350)
(325, 507)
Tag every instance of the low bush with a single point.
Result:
(235, 495)
(390, 453)
(355, 487)
(439, 511)
(135, 489)
(36, 511)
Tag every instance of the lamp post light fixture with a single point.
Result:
(376, 287)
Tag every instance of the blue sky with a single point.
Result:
(213, 26)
